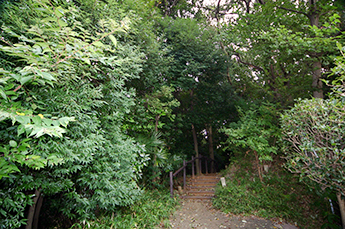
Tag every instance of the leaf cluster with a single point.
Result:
(257, 130)
(313, 131)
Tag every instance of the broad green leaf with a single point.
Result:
(37, 120)
(98, 44)
(2, 93)
(24, 80)
(46, 75)
(21, 129)
(47, 121)
(23, 119)
(113, 39)
(13, 144)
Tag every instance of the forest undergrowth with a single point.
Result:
(280, 197)
(152, 210)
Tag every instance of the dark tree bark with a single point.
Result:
(210, 145)
(341, 203)
(196, 150)
(313, 15)
(37, 212)
(32, 210)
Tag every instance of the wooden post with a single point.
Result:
(192, 166)
(171, 185)
(184, 175)
(200, 164)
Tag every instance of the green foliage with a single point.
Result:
(153, 209)
(338, 71)
(280, 197)
(313, 130)
(257, 130)
(276, 45)
(63, 70)
(150, 109)
(18, 155)
(98, 97)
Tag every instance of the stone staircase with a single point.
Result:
(201, 187)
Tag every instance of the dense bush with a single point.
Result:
(279, 197)
(152, 209)
(256, 132)
(61, 70)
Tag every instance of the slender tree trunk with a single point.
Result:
(32, 210)
(210, 146)
(258, 165)
(313, 14)
(196, 150)
(156, 129)
(317, 83)
(154, 173)
(37, 212)
(341, 203)
(314, 17)
(217, 16)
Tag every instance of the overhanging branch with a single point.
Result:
(292, 10)
(246, 63)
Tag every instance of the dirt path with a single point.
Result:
(201, 214)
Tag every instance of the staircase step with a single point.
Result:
(207, 176)
(205, 180)
(197, 197)
(201, 187)
(203, 184)
(193, 189)
(201, 193)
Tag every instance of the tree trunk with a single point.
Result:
(341, 203)
(314, 17)
(37, 212)
(210, 146)
(258, 165)
(154, 173)
(156, 129)
(32, 210)
(317, 83)
(196, 150)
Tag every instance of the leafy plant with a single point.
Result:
(280, 197)
(151, 210)
(257, 131)
(62, 71)
(313, 133)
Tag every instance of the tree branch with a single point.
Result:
(249, 64)
(292, 10)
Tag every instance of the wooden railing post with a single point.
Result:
(200, 164)
(171, 185)
(193, 167)
(184, 175)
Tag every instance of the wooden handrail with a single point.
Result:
(185, 163)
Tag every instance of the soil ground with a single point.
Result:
(201, 214)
